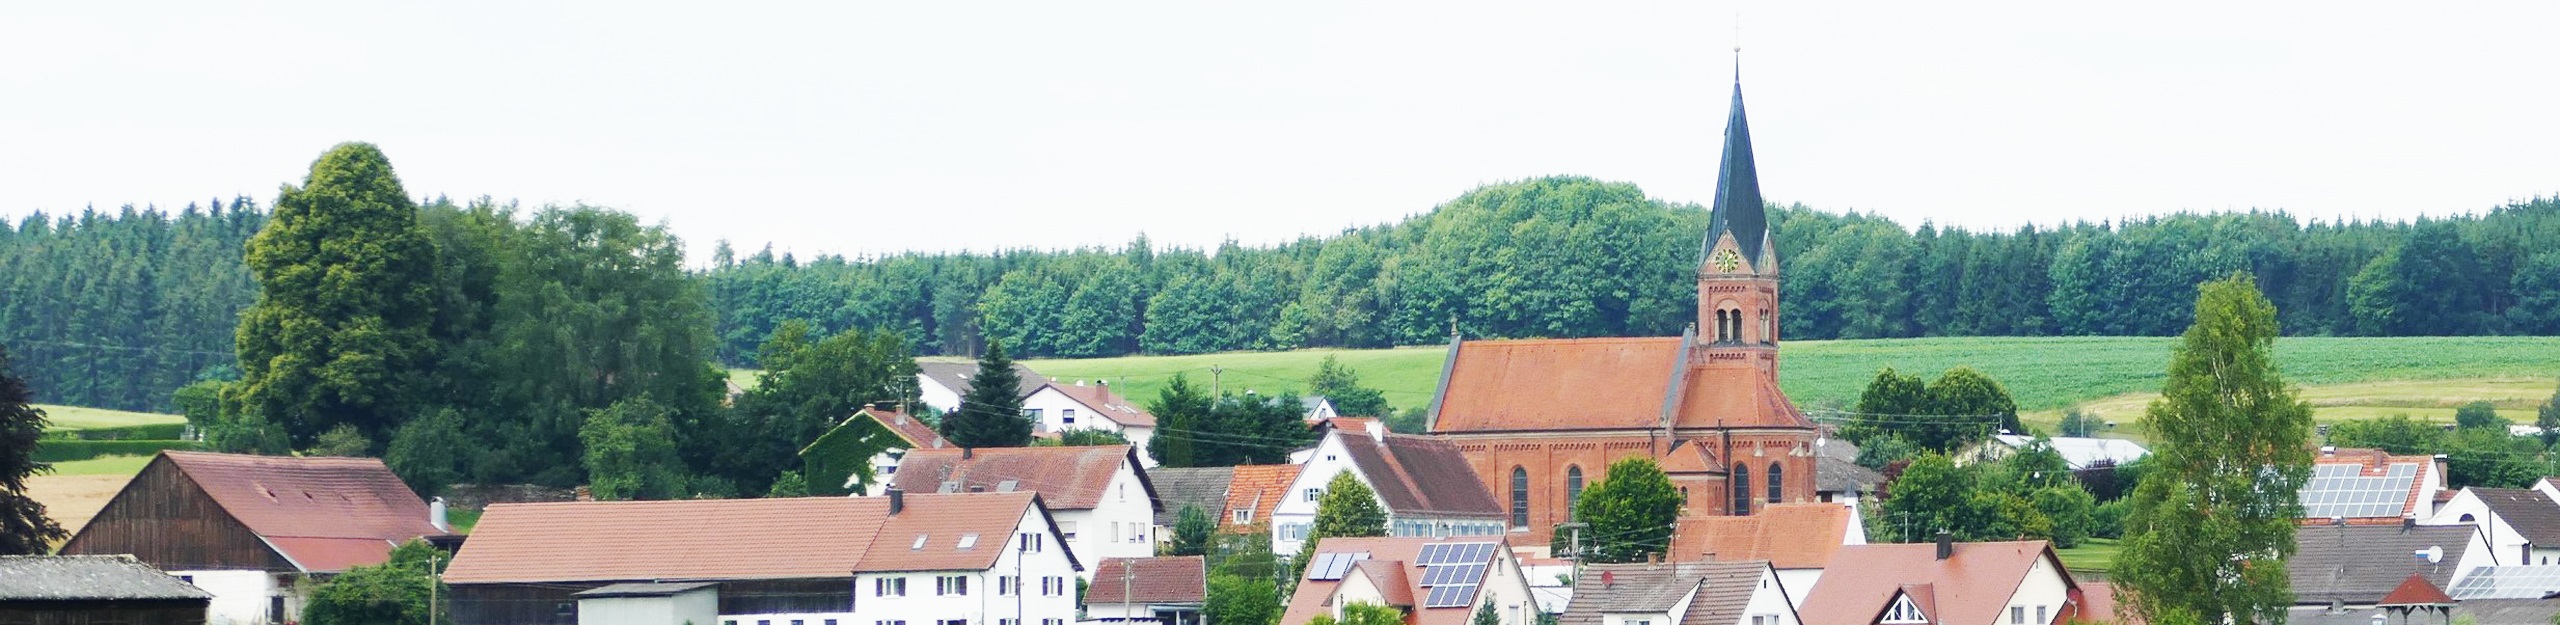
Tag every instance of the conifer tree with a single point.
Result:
(24, 528)
(1192, 532)
(991, 414)
(2213, 519)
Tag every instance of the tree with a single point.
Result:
(1933, 495)
(2479, 414)
(1891, 396)
(2071, 510)
(2395, 434)
(1340, 384)
(2490, 457)
(1363, 613)
(343, 441)
(430, 453)
(1192, 531)
(1241, 600)
(1635, 506)
(631, 452)
(1348, 509)
(395, 592)
(24, 528)
(991, 414)
(809, 387)
(2077, 423)
(1968, 405)
(1083, 437)
(1181, 410)
(346, 276)
(1485, 615)
(2213, 520)
(2548, 419)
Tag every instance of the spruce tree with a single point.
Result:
(2213, 519)
(991, 414)
(339, 334)
(24, 528)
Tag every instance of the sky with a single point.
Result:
(878, 127)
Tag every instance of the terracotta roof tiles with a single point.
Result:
(1788, 535)
(907, 427)
(1067, 478)
(318, 497)
(1399, 554)
(1107, 404)
(1257, 488)
(1601, 384)
(1173, 579)
(710, 539)
(1970, 586)
(2415, 591)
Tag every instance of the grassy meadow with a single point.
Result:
(78, 418)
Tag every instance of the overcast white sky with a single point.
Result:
(889, 126)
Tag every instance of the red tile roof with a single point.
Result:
(2415, 591)
(1788, 535)
(1713, 593)
(913, 430)
(1257, 488)
(323, 513)
(710, 539)
(1067, 478)
(1174, 579)
(1420, 475)
(1971, 586)
(1397, 557)
(1107, 404)
(1601, 383)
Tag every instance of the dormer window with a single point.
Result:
(1903, 612)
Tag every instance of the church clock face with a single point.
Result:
(1727, 260)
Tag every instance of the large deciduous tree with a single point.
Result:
(991, 414)
(395, 592)
(24, 528)
(340, 331)
(2213, 520)
(809, 386)
(1348, 509)
(1630, 512)
(631, 452)
(1340, 384)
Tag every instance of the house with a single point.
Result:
(1255, 493)
(2369, 487)
(1837, 476)
(1720, 592)
(1353, 424)
(1423, 483)
(2520, 526)
(1165, 590)
(1796, 539)
(1946, 583)
(1057, 407)
(1103, 501)
(2079, 452)
(1531, 415)
(252, 529)
(920, 558)
(1188, 487)
(95, 589)
(2355, 565)
(829, 459)
(941, 382)
(1434, 581)
(1318, 408)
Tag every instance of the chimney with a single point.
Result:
(2408, 523)
(1946, 545)
(968, 454)
(436, 516)
(897, 500)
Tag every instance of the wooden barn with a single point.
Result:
(248, 528)
(94, 590)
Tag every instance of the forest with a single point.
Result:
(118, 309)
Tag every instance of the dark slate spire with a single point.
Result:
(1738, 208)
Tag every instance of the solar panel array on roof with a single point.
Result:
(1451, 572)
(1332, 566)
(2507, 582)
(2341, 491)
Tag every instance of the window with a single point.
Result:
(1115, 531)
(888, 623)
(1244, 516)
(1053, 621)
(1638, 621)
(1314, 493)
(1034, 413)
(1067, 529)
(952, 585)
(1774, 481)
(1053, 585)
(1903, 611)
(968, 542)
(830, 622)
(2040, 614)
(1068, 415)
(275, 609)
(1008, 585)
(1572, 488)
(2017, 615)
(1741, 490)
(1030, 542)
(764, 621)
(1007, 621)
(1519, 498)
(889, 587)
(798, 622)
(953, 621)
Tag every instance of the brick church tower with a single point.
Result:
(1540, 419)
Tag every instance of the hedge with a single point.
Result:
(144, 432)
(67, 451)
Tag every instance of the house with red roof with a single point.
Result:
(1156, 591)
(1945, 583)
(920, 558)
(1103, 500)
(251, 529)
(1433, 581)
(1714, 592)
(1798, 540)
(1254, 492)
(1060, 406)
(876, 438)
(1423, 483)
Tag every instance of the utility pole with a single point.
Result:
(434, 579)
(1127, 571)
(1217, 381)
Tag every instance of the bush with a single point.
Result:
(68, 451)
(2107, 520)
(150, 431)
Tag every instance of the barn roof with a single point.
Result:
(1173, 579)
(89, 578)
(723, 539)
(324, 514)
(1420, 474)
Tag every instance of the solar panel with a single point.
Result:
(1455, 553)
(1449, 596)
(2507, 582)
(1332, 566)
(2339, 491)
(1447, 574)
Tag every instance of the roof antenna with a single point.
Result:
(1737, 43)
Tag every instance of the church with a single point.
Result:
(1538, 419)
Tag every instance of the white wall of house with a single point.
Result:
(1057, 412)
(942, 398)
(1773, 603)
(1297, 508)
(241, 597)
(1799, 582)
(1508, 588)
(698, 607)
(1121, 525)
(1047, 567)
(1104, 609)
(1636, 618)
(2042, 592)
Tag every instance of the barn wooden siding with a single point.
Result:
(166, 612)
(166, 520)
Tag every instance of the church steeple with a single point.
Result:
(1738, 209)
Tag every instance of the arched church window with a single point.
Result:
(1775, 480)
(1720, 320)
(1572, 489)
(1741, 480)
(1519, 497)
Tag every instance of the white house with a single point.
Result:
(1155, 591)
(1946, 583)
(820, 459)
(1424, 484)
(2520, 526)
(1721, 592)
(922, 558)
(1434, 581)
(1318, 408)
(1798, 540)
(942, 382)
(2080, 453)
(1104, 504)
(1057, 407)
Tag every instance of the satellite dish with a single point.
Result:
(2432, 554)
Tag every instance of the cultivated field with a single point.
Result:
(78, 418)
(72, 499)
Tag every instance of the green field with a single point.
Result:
(2094, 555)
(2043, 374)
(108, 465)
(78, 418)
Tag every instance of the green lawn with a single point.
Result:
(2095, 554)
(78, 418)
(105, 465)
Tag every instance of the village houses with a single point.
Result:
(1719, 592)
(1422, 482)
(1433, 581)
(1056, 407)
(1104, 504)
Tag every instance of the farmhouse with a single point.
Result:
(101, 590)
(1724, 592)
(941, 383)
(251, 529)
(1422, 482)
(1538, 418)
(922, 558)
(1948, 583)
(1104, 503)
(1434, 581)
(1057, 407)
